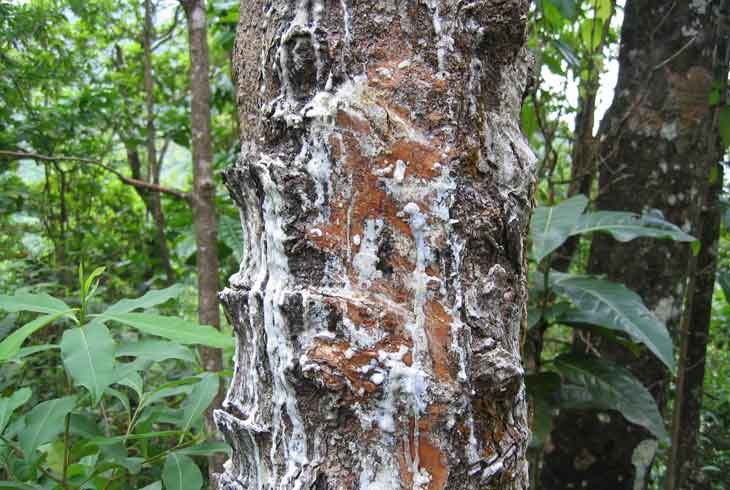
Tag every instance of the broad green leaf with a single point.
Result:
(155, 350)
(10, 404)
(148, 300)
(206, 449)
(174, 329)
(11, 345)
(551, 226)
(625, 226)
(134, 381)
(167, 390)
(591, 383)
(108, 441)
(181, 473)
(614, 306)
(39, 303)
(591, 33)
(567, 8)
(18, 485)
(85, 425)
(567, 53)
(543, 390)
(44, 422)
(199, 399)
(231, 233)
(725, 125)
(153, 486)
(723, 277)
(33, 349)
(88, 354)
(123, 399)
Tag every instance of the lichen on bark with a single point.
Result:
(385, 191)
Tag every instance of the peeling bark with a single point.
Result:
(385, 192)
(653, 155)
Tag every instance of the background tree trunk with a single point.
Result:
(203, 198)
(385, 190)
(153, 166)
(653, 155)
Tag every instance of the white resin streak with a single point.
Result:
(279, 350)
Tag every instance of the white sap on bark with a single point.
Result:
(385, 192)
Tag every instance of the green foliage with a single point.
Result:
(114, 421)
(598, 384)
(602, 307)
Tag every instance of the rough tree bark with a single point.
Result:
(653, 155)
(385, 191)
(203, 197)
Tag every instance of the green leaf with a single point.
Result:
(591, 383)
(551, 226)
(10, 404)
(108, 441)
(723, 277)
(88, 354)
(231, 233)
(18, 485)
(123, 399)
(206, 449)
(134, 381)
(39, 303)
(613, 306)
(167, 390)
(628, 226)
(11, 345)
(181, 473)
(153, 486)
(33, 349)
(155, 350)
(567, 53)
(725, 125)
(174, 329)
(567, 8)
(150, 299)
(591, 33)
(44, 422)
(199, 399)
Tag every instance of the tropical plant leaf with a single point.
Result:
(591, 383)
(33, 349)
(38, 303)
(10, 404)
(199, 399)
(148, 300)
(155, 350)
(231, 233)
(88, 354)
(551, 226)
(44, 422)
(174, 329)
(613, 306)
(181, 473)
(153, 486)
(628, 226)
(567, 8)
(10, 346)
(108, 441)
(134, 381)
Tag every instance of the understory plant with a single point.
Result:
(593, 306)
(126, 410)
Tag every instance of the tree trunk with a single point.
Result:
(153, 165)
(653, 155)
(203, 199)
(385, 190)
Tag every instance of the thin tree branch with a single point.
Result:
(127, 180)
